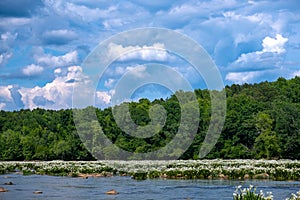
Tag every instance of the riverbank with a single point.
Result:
(171, 169)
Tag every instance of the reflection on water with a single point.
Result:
(68, 188)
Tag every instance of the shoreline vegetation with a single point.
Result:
(238, 169)
(262, 122)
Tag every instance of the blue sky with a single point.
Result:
(44, 42)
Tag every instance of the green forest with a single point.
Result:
(262, 121)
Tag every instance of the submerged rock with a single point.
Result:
(112, 192)
(38, 192)
(8, 183)
(3, 189)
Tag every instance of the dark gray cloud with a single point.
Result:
(59, 37)
(19, 8)
(17, 98)
(42, 101)
(71, 81)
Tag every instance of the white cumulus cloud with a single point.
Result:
(112, 23)
(2, 105)
(15, 21)
(8, 36)
(274, 45)
(135, 71)
(32, 70)
(156, 52)
(296, 73)
(60, 33)
(138, 71)
(5, 94)
(79, 12)
(54, 95)
(4, 57)
(103, 97)
(108, 83)
(57, 71)
(270, 57)
(242, 77)
(56, 61)
(58, 93)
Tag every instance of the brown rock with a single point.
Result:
(222, 176)
(261, 176)
(3, 189)
(112, 192)
(108, 174)
(84, 176)
(246, 176)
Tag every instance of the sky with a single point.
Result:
(43, 44)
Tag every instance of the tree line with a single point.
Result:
(262, 121)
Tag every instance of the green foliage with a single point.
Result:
(262, 121)
(266, 144)
(139, 176)
(40, 135)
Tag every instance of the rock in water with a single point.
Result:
(8, 183)
(37, 192)
(3, 189)
(112, 192)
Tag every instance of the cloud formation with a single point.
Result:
(32, 70)
(5, 95)
(156, 52)
(56, 94)
(250, 41)
(274, 45)
(56, 61)
(296, 73)
(59, 37)
(246, 68)
(242, 77)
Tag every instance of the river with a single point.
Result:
(67, 188)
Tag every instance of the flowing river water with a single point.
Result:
(68, 188)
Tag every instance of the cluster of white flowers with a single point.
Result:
(294, 196)
(250, 193)
(277, 169)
